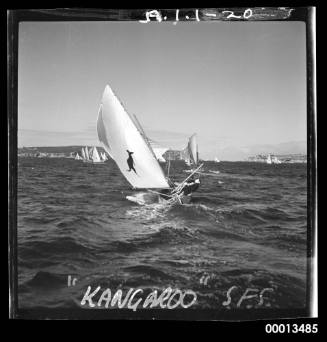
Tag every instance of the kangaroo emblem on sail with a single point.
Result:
(130, 161)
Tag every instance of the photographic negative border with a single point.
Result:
(305, 14)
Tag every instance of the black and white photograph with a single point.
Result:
(164, 164)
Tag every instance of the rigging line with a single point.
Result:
(179, 187)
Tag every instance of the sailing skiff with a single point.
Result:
(124, 139)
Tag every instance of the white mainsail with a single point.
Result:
(193, 148)
(269, 161)
(91, 150)
(185, 155)
(87, 156)
(95, 155)
(77, 157)
(83, 153)
(118, 133)
(190, 153)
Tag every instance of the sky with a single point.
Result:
(235, 84)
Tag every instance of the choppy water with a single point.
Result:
(246, 228)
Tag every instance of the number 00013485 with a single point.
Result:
(291, 328)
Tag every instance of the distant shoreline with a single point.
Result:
(71, 150)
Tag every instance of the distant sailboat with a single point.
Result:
(87, 155)
(78, 157)
(193, 150)
(190, 154)
(92, 156)
(103, 156)
(275, 160)
(125, 141)
(95, 156)
(216, 160)
(83, 154)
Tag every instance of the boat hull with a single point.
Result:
(146, 198)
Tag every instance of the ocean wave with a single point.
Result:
(75, 218)
(254, 216)
(193, 211)
(47, 280)
(58, 246)
(164, 235)
(150, 271)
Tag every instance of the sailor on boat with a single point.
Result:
(190, 186)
